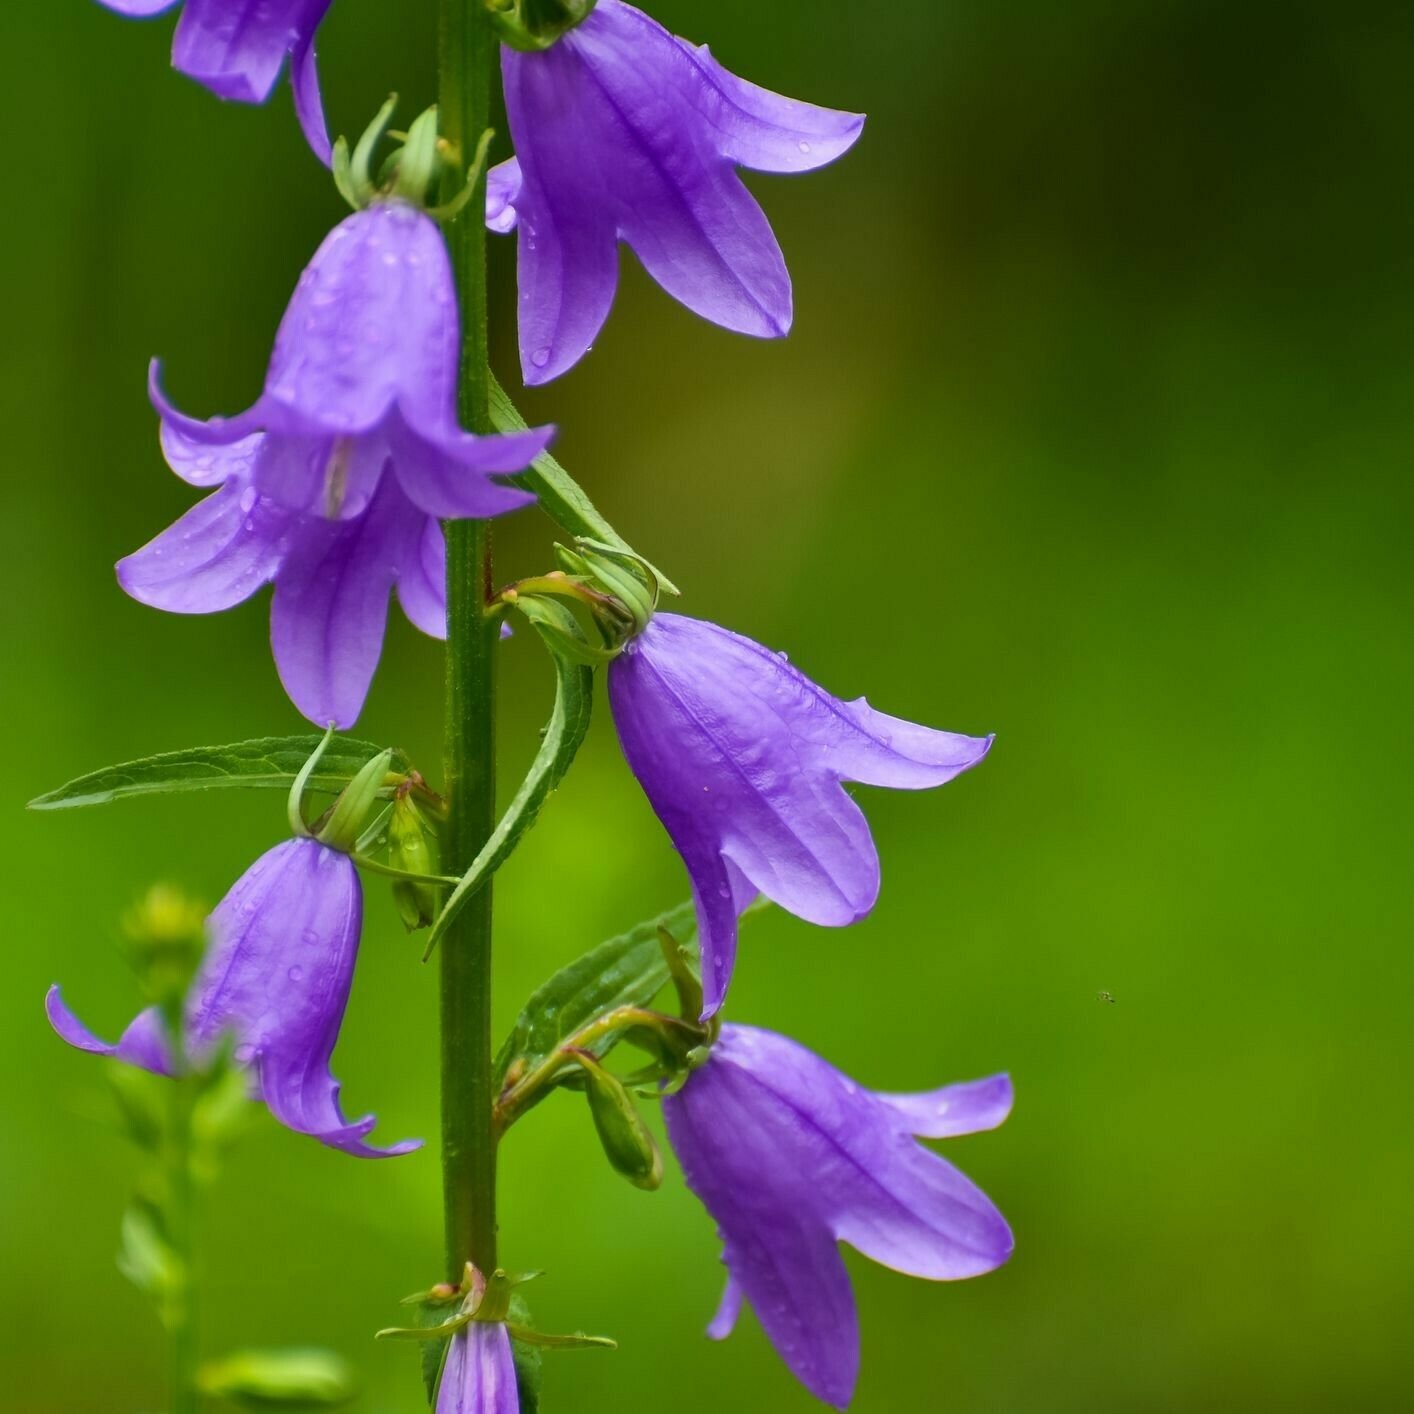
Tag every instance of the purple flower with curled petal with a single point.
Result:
(479, 1374)
(276, 980)
(624, 132)
(333, 483)
(791, 1158)
(236, 48)
(742, 758)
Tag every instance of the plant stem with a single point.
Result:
(467, 53)
(181, 1301)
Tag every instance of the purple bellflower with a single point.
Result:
(236, 48)
(742, 758)
(791, 1157)
(333, 483)
(479, 1375)
(276, 980)
(624, 132)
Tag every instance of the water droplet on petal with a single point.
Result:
(296, 973)
(805, 147)
(248, 499)
(310, 936)
(540, 357)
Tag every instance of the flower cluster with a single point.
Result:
(335, 486)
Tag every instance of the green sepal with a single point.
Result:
(563, 736)
(408, 850)
(360, 177)
(532, 26)
(350, 813)
(448, 211)
(342, 168)
(577, 1341)
(278, 1379)
(265, 763)
(560, 495)
(687, 981)
(418, 165)
(627, 1143)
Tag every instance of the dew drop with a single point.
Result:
(296, 974)
(540, 357)
(805, 147)
(248, 499)
(310, 937)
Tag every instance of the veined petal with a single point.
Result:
(682, 208)
(765, 131)
(371, 325)
(968, 1108)
(567, 263)
(479, 1374)
(422, 579)
(333, 478)
(143, 1044)
(781, 1257)
(448, 474)
(331, 606)
(309, 102)
(503, 183)
(236, 48)
(214, 432)
(277, 977)
(217, 555)
(207, 463)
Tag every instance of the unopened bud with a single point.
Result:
(627, 1143)
(534, 25)
(408, 850)
(345, 823)
(166, 936)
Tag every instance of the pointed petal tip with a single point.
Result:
(69, 1028)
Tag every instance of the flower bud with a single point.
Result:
(627, 1144)
(166, 936)
(408, 850)
(345, 823)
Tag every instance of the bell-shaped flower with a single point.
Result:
(479, 1373)
(742, 758)
(624, 132)
(275, 982)
(791, 1157)
(333, 483)
(237, 48)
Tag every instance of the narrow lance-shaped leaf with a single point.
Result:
(565, 733)
(266, 763)
(561, 497)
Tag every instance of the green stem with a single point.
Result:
(467, 53)
(181, 1299)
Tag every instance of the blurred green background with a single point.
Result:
(1093, 431)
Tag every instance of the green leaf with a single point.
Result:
(528, 1363)
(569, 723)
(267, 763)
(144, 1255)
(561, 497)
(629, 970)
(278, 1379)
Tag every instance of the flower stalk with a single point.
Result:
(467, 46)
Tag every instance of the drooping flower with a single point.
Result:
(479, 1374)
(276, 981)
(332, 484)
(791, 1157)
(236, 48)
(624, 132)
(742, 758)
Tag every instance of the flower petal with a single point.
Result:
(214, 432)
(968, 1108)
(765, 131)
(728, 1310)
(874, 1187)
(143, 1044)
(503, 184)
(781, 1258)
(277, 977)
(309, 102)
(567, 263)
(448, 474)
(217, 555)
(372, 324)
(138, 9)
(331, 607)
(236, 48)
(422, 579)
(207, 463)
(479, 1375)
